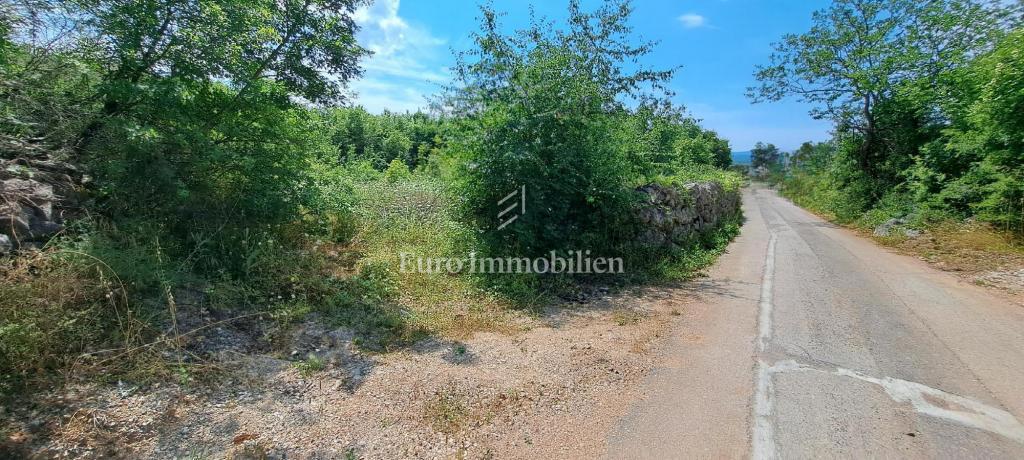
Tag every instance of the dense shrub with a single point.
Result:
(381, 139)
(545, 111)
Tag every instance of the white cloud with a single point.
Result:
(403, 68)
(693, 20)
(377, 96)
(388, 35)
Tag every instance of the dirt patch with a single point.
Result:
(552, 390)
(975, 252)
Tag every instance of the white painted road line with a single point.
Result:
(924, 399)
(762, 443)
(764, 322)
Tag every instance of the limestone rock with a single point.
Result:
(671, 216)
(33, 194)
(886, 228)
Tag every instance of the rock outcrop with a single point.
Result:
(888, 228)
(672, 216)
(34, 197)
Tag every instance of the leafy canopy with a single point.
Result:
(858, 51)
(308, 46)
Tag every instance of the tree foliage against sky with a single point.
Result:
(858, 52)
(907, 83)
(765, 155)
(307, 46)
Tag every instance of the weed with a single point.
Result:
(447, 413)
(311, 365)
(55, 305)
(626, 317)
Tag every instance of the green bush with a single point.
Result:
(730, 180)
(397, 170)
(557, 127)
(966, 164)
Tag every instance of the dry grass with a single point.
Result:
(453, 307)
(447, 413)
(627, 317)
(968, 248)
(55, 305)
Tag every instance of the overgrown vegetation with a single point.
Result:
(221, 173)
(927, 100)
(550, 110)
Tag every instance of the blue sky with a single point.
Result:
(717, 42)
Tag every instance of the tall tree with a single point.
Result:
(306, 47)
(858, 53)
(766, 155)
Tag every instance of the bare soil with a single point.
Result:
(552, 390)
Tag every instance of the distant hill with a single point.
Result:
(741, 158)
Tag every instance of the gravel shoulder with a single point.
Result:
(553, 390)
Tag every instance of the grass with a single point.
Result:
(54, 306)
(700, 253)
(103, 298)
(950, 243)
(419, 217)
(627, 317)
(311, 366)
(962, 247)
(447, 413)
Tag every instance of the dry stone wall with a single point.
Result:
(674, 215)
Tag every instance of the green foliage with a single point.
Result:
(311, 366)
(46, 100)
(397, 170)
(861, 56)
(169, 165)
(687, 261)
(307, 47)
(992, 136)
(765, 156)
(543, 111)
(926, 97)
(209, 171)
(382, 139)
(731, 181)
(966, 166)
(668, 142)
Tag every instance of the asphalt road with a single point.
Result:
(808, 341)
